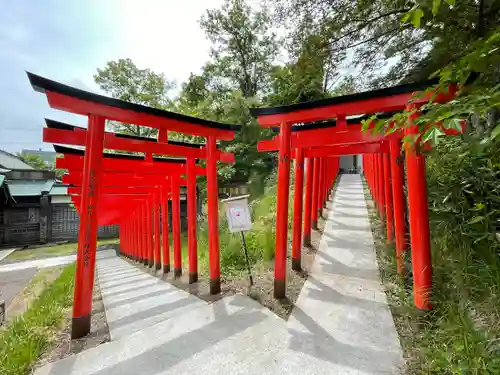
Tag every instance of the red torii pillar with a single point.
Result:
(381, 186)
(308, 201)
(319, 203)
(388, 196)
(399, 200)
(176, 226)
(191, 210)
(315, 184)
(150, 232)
(87, 235)
(156, 220)
(282, 210)
(419, 223)
(297, 210)
(213, 216)
(164, 222)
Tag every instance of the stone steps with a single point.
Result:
(235, 335)
(340, 324)
(135, 300)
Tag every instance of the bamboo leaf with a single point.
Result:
(495, 132)
(432, 135)
(436, 4)
(416, 16)
(475, 220)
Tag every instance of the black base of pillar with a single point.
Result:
(166, 268)
(193, 277)
(177, 272)
(296, 264)
(314, 225)
(307, 241)
(80, 327)
(140, 260)
(279, 289)
(214, 286)
(158, 266)
(146, 262)
(151, 264)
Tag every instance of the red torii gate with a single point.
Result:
(98, 109)
(317, 138)
(125, 173)
(133, 185)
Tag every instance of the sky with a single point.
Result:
(68, 40)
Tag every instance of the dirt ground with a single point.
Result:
(99, 332)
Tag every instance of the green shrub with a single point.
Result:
(461, 335)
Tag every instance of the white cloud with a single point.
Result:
(165, 35)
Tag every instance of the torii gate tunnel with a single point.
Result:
(316, 133)
(133, 190)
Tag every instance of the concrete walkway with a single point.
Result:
(341, 323)
(38, 263)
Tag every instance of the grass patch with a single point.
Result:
(461, 335)
(28, 336)
(34, 288)
(50, 251)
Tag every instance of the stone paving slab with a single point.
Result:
(134, 300)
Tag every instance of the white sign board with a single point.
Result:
(238, 214)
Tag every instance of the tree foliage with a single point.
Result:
(383, 49)
(123, 80)
(34, 161)
(243, 47)
(475, 72)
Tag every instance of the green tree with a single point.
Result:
(33, 160)
(123, 80)
(243, 47)
(477, 100)
(303, 78)
(374, 36)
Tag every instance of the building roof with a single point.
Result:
(59, 189)
(29, 188)
(11, 161)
